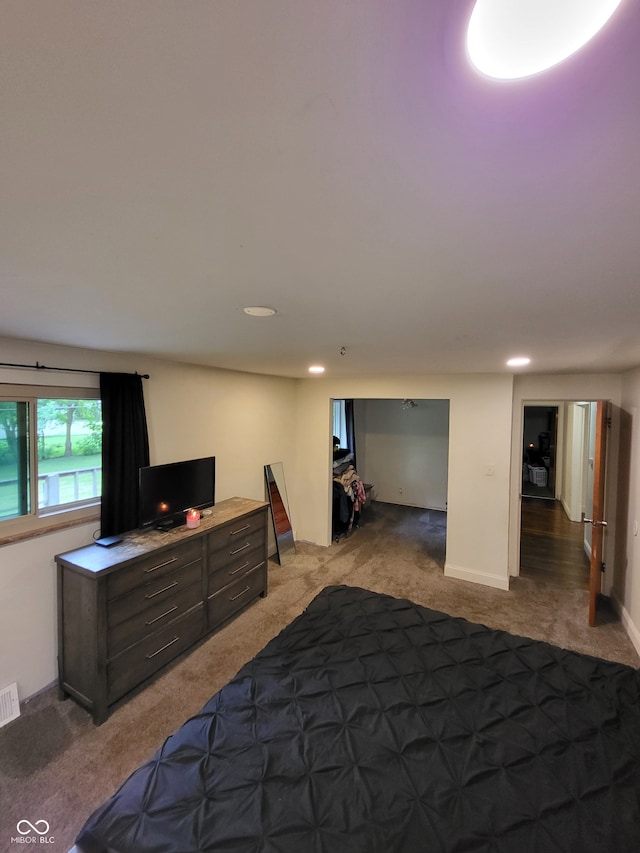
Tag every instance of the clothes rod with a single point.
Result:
(38, 366)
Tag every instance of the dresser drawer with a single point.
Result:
(234, 569)
(231, 539)
(141, 661)
(158, 591)
(232, 598)
(151, 567)
(154, 616)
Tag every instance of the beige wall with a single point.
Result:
(244, 420)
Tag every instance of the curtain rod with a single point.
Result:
(38, 366)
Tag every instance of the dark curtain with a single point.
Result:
(351, 428)
(125, 449)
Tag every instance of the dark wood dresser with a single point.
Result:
(126, 612)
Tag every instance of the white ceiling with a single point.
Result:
(166, 163)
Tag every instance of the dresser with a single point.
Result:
(126, 612)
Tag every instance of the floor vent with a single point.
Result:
(9, 704)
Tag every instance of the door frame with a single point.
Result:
(598, 512)
(516, 492)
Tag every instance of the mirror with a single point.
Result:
(280, 514)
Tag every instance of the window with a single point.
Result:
(340, 422)
(50, 456)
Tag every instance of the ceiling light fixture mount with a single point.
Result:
(259, 311)
(316, 368)
(511, 39)
(519, 361)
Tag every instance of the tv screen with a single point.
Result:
(167, 491)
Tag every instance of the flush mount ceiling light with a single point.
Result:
(316, 368)
(259, 311)
(509, 39)
(519, 361)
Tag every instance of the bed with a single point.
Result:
(371, 724)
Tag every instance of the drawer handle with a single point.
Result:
(166, 646)
(162, 615)
(237, 551)
(160, 591)
(240, 568)
(160, 565)
(233, 597)
(240, 529)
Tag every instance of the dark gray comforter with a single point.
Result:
(371, 724)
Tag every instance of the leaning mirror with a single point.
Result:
(280, 514)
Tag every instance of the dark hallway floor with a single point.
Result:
(551, 546)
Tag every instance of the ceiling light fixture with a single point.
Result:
(316, 368)
(519, 361)
(259, 311)
(510, 39)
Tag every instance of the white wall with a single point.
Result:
(478, 468)
(626, 584)
(572, 490)
(404, 452)
(245, 421)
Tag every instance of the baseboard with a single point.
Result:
(38, 693)
(566, 509)
(627, 623)
(474, 576)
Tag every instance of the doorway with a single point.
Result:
(539, 451)
(557, 442)
(402, 452)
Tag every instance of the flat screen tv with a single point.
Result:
(167, 491)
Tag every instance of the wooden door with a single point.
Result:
(597, 520)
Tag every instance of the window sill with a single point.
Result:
(52, 524)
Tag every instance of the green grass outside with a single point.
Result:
(57, 464)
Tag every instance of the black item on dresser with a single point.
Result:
(126, 612)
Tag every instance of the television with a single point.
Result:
(168, 491)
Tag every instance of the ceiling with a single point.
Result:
(167, 163)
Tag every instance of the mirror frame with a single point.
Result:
(280, 512)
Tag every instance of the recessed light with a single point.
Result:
(259, 311)
(316, 368)
(510, 39)
(519, 361)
